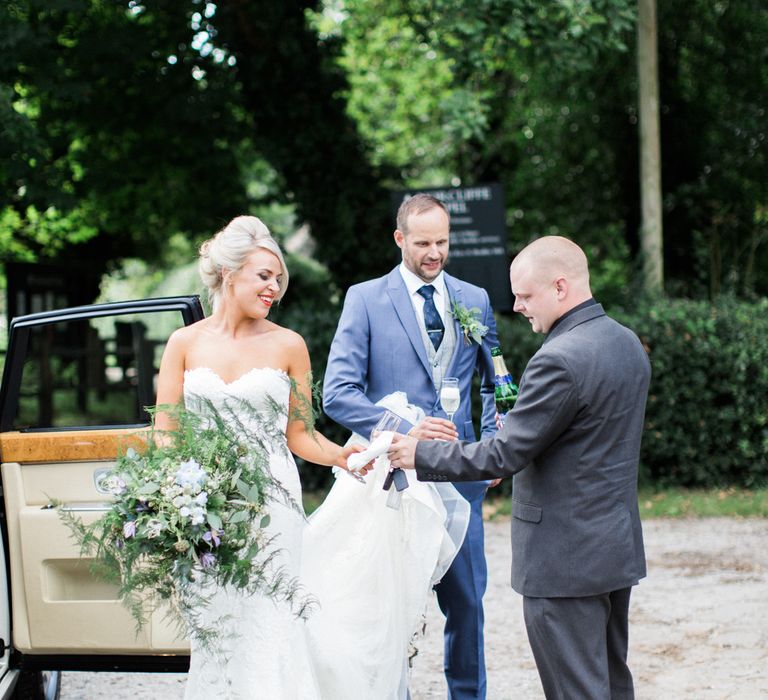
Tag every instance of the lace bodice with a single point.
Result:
(265, 389)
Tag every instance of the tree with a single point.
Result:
(651, 236)
(132, 122)
(294, 93)
(119, 110)
(544, 98)
(503, 91)
(124, 123)
(714, 101)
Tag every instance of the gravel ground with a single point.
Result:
(698, 623)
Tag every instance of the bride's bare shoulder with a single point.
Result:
(288, 339)
(185, 336)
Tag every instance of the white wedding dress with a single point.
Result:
(371, 569)
(265, 654)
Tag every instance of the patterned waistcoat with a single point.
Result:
(440, 359)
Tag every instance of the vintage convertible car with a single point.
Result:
(74, 386)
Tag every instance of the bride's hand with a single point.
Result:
(350, 450)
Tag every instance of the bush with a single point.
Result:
(707, 414)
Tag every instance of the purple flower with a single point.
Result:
(213, 536)
(129, 529)
(142, 507)
(207, 560)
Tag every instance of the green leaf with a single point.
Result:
(253, 494)
(148, 488)
(243, 489)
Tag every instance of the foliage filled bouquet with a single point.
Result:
(188, 514)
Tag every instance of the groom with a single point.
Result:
(573, 443)
(397, 333)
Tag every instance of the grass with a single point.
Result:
(704, 503)
(676, 503)
(654, 503)
(312, 499)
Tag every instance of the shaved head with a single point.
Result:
(549, 277)
(555, 256)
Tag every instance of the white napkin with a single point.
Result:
(377, 448)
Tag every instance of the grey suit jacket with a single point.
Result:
(573, 443)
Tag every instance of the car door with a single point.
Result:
(75, 386)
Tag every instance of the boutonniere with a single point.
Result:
(469, 320)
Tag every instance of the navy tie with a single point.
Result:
(432, 320)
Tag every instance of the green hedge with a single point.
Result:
(707, 414)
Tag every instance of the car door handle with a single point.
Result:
(85, 506)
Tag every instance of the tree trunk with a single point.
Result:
(651, 240)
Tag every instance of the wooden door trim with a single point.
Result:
(69, 445)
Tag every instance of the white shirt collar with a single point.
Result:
(414, 283)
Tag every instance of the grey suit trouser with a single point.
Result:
(580, 645)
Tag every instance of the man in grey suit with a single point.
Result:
(572, 442)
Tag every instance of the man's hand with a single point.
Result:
(402, 451)
(434, 429)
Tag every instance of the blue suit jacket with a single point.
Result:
(378, 349)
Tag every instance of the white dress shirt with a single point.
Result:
(414, 283)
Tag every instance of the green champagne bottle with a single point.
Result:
(505, 390)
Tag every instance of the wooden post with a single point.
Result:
(651, 234)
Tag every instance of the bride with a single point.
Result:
(356, 644)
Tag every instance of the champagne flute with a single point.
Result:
(389, 421)
(450, 396)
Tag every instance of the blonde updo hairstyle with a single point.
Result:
(228, 250)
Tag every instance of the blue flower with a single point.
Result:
(213, 536)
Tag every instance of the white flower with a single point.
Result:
(154, 528)
(114, 484)
(182, 500)
(190, 476)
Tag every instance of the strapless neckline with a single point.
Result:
(253, 370)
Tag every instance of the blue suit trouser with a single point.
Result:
(460, 597)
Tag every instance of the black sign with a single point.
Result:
(478, 237)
